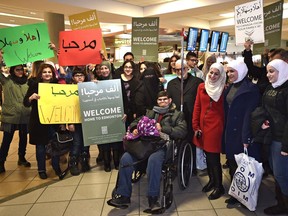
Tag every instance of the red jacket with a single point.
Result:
(208, 116)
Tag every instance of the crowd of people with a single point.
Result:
(209, 108)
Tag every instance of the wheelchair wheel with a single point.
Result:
(185, 165)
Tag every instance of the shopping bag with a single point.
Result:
(200, 159)
(246, 180)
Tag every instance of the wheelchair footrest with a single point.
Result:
(157, 211)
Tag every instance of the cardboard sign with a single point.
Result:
(58, 104)
(24, 44)
(80, 47)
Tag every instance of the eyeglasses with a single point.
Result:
(78, 75)
(162, 99)
(193, 60)
(128, 67)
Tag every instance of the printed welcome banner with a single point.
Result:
(24, 44)
(101, 111)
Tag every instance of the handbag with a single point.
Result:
(60, 144)
(142, 147)
(200, 159)
(246, 180)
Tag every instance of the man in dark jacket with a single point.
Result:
(190, 86)
(170, 122)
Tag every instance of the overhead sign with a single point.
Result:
(249, 22)
(24, 44)
(145, 36)
(58, 104)
(86, 20)
(80, 47)
(102, 110)
(272, 27)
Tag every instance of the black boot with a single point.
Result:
(116, 158)
(2, 168)
(59, 173)
(99, 158)
(107, 160)
(282, 203)
(73, 166)
(218, 187)
(23, 162)
(85, 166)
(210, 185)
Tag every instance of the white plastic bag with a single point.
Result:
(246, 180)
(200, 159)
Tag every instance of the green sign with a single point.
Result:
(272, 28)
(101, 108)
(145, 34)
(24, 44)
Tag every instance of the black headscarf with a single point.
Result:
(19, 80)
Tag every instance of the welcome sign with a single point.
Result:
(24, 44)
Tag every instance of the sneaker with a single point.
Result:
(154, 204)
(119, 201)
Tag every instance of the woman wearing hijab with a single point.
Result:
(14, 115)
(116, 147)
(208, 124)
(275, 101)
(240, 99)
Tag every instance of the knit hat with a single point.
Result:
(282, 67)
(240, 67)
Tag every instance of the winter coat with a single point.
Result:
(208, 116)
(13, 110)
(38, 133)
(189, 96)
(275, 102)
(238, 120)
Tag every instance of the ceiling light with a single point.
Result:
(24, 17)
(227, 15)
(7, 24)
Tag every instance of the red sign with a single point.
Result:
(80, 47)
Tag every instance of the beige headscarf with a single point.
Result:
(214, 90)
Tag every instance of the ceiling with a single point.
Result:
(115, 15)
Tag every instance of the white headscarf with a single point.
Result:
(282, 67)
(214, 90)
(240, 67)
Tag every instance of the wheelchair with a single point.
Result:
(178, 163)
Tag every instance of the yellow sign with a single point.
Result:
(86, 20)
(58, 104)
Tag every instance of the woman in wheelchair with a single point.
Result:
(208, 124)
(170, 122)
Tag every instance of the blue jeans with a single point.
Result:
(154, 169)
(41, 159)
(78, 143)
(7, 139)
(279, 165)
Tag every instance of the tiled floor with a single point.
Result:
(22, 192)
